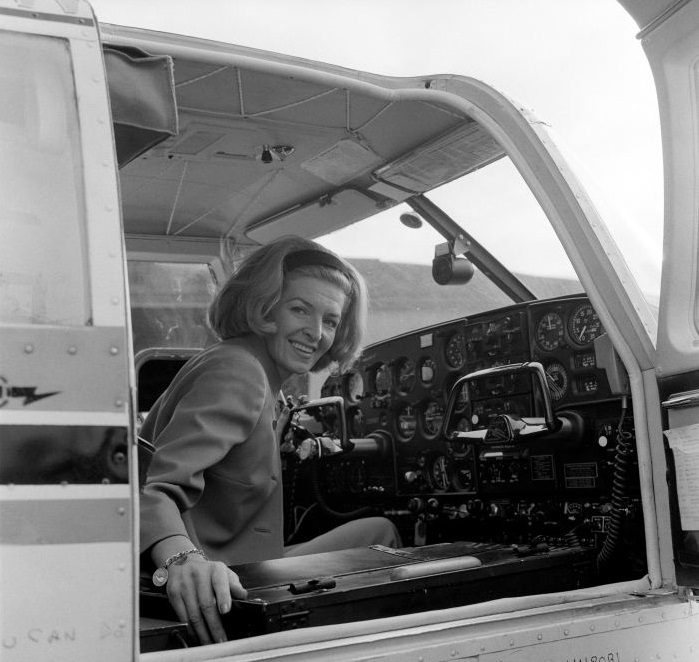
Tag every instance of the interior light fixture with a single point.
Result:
(412, 221)
(278, 152)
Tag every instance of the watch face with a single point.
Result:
(160, 577)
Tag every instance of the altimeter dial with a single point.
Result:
(584, 325)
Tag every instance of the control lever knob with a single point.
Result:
(411, 476)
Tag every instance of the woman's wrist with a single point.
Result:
(161, 574)
(169, 547)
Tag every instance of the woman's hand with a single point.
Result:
(284, 442)
(201, 590)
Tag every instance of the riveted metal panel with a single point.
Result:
(623, 624)
(24, 13)
(64, 11)
(67, 558)
(34, 522)
(73, 602)
(676, 640)
(63, 369)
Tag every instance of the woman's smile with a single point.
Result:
(306, 319)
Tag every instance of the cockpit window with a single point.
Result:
(496, 208)
(42, 265)
(169, 302)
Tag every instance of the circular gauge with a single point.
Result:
(455, 350)
(549, 332)
(382, 379)
(406, 422)
(405, 375)
(354, 387)
(427, 369)
(432, 417)
(440, 473)
(584, 325)
(355, 422)
(557, 378)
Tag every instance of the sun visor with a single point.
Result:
(453, 155)
(142, 96)
(316, 219)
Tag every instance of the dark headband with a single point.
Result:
(311, 257)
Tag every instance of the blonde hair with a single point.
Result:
(245, 301)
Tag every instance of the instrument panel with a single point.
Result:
(401, 388)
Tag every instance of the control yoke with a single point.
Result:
(506, 427)
(322, 417)
(323, 423)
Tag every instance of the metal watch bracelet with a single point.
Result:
(160, 576)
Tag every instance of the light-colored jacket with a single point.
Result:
(216, 472)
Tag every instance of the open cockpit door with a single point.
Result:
(671, 41)
(68, 479)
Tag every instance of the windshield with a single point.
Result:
(495, 207)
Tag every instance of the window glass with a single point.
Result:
(43, 266)
(169, 302)
(497, 209)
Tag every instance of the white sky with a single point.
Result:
(575, 63)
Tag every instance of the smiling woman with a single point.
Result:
(306, 321)
(213, 496)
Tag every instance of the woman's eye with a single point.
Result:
(299, 310)
(331, 324)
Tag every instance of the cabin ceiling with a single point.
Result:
(338, 154)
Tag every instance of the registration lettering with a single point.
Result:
(604, 657)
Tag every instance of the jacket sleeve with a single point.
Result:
(213, 407)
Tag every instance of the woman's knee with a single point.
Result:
(381, 531)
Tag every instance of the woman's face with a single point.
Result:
(307, 318)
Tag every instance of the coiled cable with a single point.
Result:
(622, 463)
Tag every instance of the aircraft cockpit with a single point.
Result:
(522, 417)
(490, 417)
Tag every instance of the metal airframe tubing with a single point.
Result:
(494, 270)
